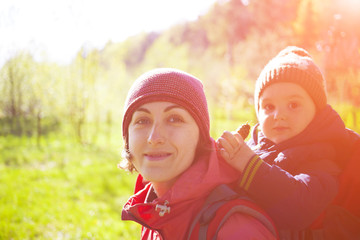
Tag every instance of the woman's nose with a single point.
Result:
(156, 135)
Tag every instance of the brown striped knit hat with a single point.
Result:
(171, 85)
(295, 65)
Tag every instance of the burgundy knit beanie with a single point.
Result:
(170, 85)
(295, 65)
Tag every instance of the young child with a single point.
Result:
(291, 163)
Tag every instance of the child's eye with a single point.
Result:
(293, 105)
(269, 107)
(175, 119)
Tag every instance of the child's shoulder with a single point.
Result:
(353, 136)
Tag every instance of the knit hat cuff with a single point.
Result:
(300, 77)
(203, 126)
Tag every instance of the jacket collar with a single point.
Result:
(327, 127)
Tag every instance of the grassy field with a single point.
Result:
(62, 190)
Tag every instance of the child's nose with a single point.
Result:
(156, 136)
(279, 114)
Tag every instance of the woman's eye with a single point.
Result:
(142, 121)
(175, 119)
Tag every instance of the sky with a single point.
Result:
(55, 30)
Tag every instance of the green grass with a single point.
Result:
(62, 191)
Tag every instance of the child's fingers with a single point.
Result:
(238, 137)
(224, 154)
(225, 145)
(232, 138)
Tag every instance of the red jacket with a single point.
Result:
(169, 217)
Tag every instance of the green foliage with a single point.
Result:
(226, 48)
(350, 115)
(28, 126)
(224, 120)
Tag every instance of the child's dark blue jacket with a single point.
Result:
(295, 180)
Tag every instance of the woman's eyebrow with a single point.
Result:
(140, 109)
(172, 107)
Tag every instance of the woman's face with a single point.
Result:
(163, 138)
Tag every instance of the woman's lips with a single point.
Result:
(157, 156)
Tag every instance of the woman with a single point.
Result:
(166, 133)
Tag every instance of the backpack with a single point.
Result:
(341, 220)
(221, 203)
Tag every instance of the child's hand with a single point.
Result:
(228, 145)
(234, 150)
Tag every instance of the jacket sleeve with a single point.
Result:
(294, 201)
(242, 226)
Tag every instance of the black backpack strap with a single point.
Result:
(248, 210)
(220, 196)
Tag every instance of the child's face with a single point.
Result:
(285, 110)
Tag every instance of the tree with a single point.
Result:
(82, 95)
(17, 97)
(307, 27)
(341, 48)
(273, 14)
(226, 25)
